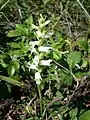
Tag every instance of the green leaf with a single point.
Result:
(33, 118)
(64, 109)
(3, 64)
(11, 70)
(45, 1)
(66, 78)
(29, 21)
(75, 118)
(11, 81)
(56, 55)
(13, 33)
(15, 64)
(22, 29)
(85, 115)
(14, 45)
(2, 2)
(73, 58)
(9, 87)
(73, 113)
(79, 75)
(84, 62)
(59, 94)
(83, 44)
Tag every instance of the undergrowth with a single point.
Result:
(51, 52)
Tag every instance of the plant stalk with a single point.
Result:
(77, 80)
(87, 14)
(40, 98)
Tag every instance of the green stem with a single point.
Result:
(65, 69)
(40, 98)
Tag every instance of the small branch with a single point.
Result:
(52, 102)
(20, 13)
(32, 100)
(77, 80)
(87, 14)
(4, 5)
(40, 97)
(5, 16)
(64, 69)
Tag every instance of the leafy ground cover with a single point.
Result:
(44, 60)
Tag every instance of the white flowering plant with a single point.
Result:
(45, 58)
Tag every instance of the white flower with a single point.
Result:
(44, 49)
(49, 34)
(44, 24)
(38, 78)
(45, 62)
(33, 49)
(34, 27)
(31, 66)
(33, 43)
(34, 64)
(34, 67)
(36, 60)
(47, 22)
(39, 34)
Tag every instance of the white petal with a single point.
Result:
(77, 65)
(39, 34)
(33, 43)
(38, 78)
(33, 50)
(44, 49)
(36, 60)
(38, 82)
(44, 24)
(49, 34)
(34, 27)
(47, 22)
(45, 62)
(33, 67)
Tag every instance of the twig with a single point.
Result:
(87, 14)
(4, 5)
(20, 13)
(32, 100)
(76, 79)
(52, 102)
(65, 69)
(5, 16)
(40, 97)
